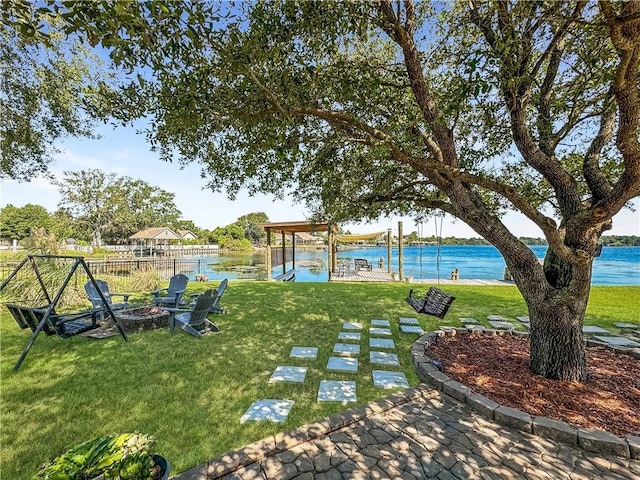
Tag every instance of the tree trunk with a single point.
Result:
(556, 295)
(557, 349)
(556, 309)
(97, 237)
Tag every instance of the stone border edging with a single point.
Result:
(234, 460)
(588, 439)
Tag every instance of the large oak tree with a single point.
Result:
(45, 92)
(107, 207)
(368, 108)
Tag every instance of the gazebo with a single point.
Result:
(152, 236)
(279, 256)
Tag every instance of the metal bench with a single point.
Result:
(362, 264)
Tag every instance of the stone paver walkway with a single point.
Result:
(418, 433)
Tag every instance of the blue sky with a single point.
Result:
(125, 153)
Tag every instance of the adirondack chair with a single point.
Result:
(96, 301)
(215, 308)
(173, 293)
(435, 302)
(194, 321)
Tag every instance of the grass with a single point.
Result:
(190, 393)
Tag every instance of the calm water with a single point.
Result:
(616, 265)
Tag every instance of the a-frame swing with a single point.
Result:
(435, 302)
(45, 318)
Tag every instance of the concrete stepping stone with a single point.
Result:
(618, 341)
(380, 323)
(468, 320)
(496, 318)
(337, 391)
(479, 328)
(355, 336)
(379, 331)
(381, 343)
(384, 379)
(633, 326)
(268, 409)
(408, 321)
(351, 326)
(346, 349)
(594, 329)
(383, 358)
(304, 352)
(411, 329)
(501, 325)
(342, 364)
(288, 374)
(524, 319)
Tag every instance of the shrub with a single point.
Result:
(127, 456)
(144, 281)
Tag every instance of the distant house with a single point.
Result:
(155, 234)
(304, 238)
(187, 234)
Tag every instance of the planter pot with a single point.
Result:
(159, 460)
(164, 465)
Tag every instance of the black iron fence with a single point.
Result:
(164, 267)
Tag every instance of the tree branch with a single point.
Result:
(516, 91)
(596, 180)
(424, 99)
(444, 176)
(270, 96)
(625, 36)
(545, 124)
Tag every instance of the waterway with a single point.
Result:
(616, 265)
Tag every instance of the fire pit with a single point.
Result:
(143, 318)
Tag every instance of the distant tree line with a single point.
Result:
(621, 241)
(97, 208)
(609, 241)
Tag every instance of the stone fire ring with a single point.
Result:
(143, 318)
(591, 440)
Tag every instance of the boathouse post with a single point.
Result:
(267, 255)
(293, 251)
(389, 250)
(400, 261)
(283, 237)
(331, 248)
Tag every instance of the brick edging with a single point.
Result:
(592, 440)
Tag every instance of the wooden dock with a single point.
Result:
(381, 275)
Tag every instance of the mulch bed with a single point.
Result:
(498, 368)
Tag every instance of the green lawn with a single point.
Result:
(190, 393)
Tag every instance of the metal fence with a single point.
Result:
(164, 267)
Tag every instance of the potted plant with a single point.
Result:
(126, 456)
